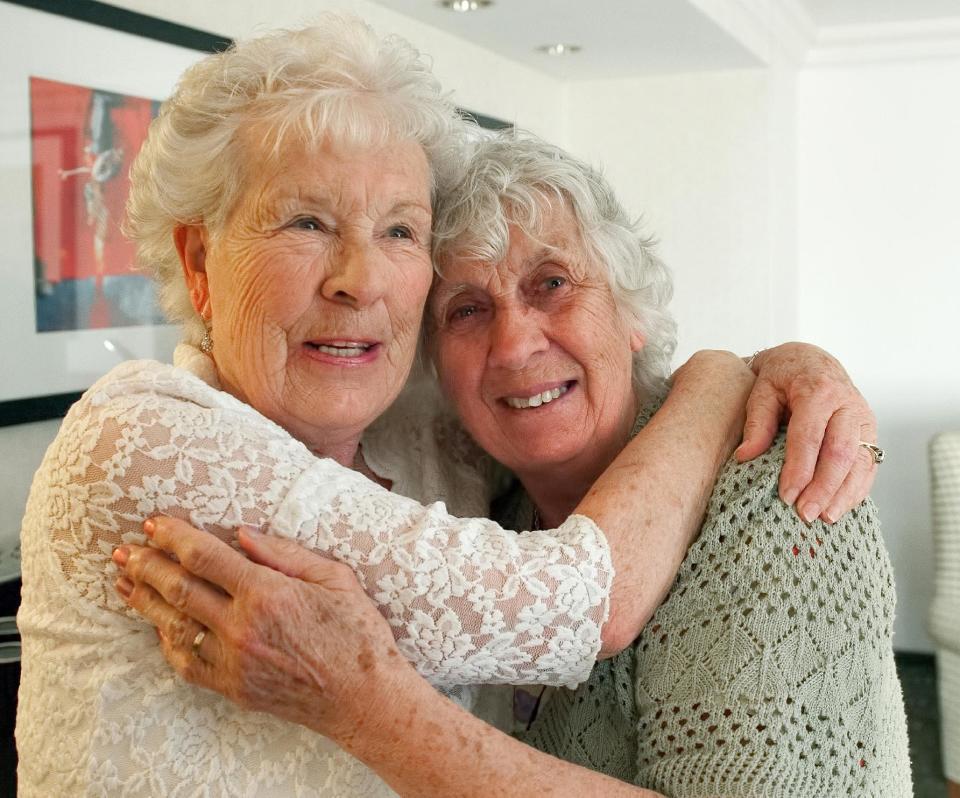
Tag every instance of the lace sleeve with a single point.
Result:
(468, 601)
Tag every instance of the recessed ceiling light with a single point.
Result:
(465, 5)
(559, 49)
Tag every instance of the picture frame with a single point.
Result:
(87, 44)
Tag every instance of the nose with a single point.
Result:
(517, 335)
(358, 275)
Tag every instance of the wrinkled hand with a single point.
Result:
(288, 632)
(826, 471)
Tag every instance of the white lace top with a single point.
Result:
(100, 711)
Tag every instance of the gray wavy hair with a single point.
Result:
(515, 178)
(336, 78)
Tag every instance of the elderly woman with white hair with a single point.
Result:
(768, 670)
(284, 200)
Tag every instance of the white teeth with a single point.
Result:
(537, 399)
(342, 351)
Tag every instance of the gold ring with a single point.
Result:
(197, 642)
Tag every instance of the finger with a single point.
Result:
(855, 488)
(177, 587)
(172, 625)
(197, 670)
(199, 552)
(804, 438)
(838, 454)
(765, 408)
(289, 557)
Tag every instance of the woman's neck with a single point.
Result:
(557, 488)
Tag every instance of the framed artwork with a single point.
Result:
(79, 83)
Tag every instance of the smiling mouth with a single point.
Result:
(344, 349)
(538, 399)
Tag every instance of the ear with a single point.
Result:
(191, 243)
(637, 340)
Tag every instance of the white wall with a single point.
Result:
(708, 159)
(879, 200)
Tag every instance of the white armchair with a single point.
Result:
(945, 610)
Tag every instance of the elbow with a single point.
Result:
(618, 633)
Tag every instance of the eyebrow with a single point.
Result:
(310, 197)
(411, 205)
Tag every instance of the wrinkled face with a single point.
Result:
(533, 350)
(316, 287)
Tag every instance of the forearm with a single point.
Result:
(651, 501)
(424, 745)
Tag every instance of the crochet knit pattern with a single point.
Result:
(767, 671)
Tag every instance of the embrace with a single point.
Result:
(299, 519)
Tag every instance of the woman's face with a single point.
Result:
(315, 288)
(533, 350)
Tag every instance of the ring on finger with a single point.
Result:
(875, 451)
(197, 642)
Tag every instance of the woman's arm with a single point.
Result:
(346, 678)
(652, 498)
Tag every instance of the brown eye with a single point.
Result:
(463, 312)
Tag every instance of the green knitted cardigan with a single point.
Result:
(767, 671)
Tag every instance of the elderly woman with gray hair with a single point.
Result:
(284, 200)
(768, 670)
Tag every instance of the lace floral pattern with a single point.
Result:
(101, 712)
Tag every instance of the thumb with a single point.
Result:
(764, 411)
(283, 555)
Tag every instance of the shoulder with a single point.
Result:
(755, 555)
(156, 412)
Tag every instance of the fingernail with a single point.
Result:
(149, 527)
(120, 555)
(830, 515)
(809, 511)
(251, 531)
(124, 587)
(789, 495)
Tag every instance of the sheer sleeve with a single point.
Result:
(468, 601)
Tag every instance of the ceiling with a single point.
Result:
(825, 13)
(622, 38)
(618, 37)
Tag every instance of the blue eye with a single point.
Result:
(553, 283)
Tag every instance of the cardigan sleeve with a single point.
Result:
(769, 668)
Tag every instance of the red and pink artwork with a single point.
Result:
(84, 141)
